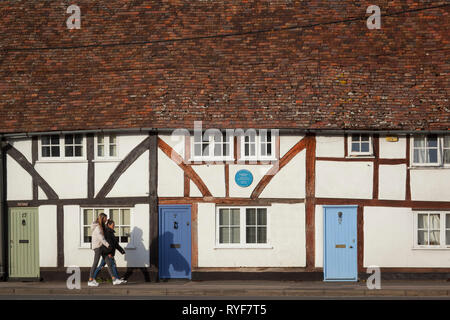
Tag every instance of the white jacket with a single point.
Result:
(97, 237)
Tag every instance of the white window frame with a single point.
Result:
(128, 245)
(62, 149)
(211, 145)
(440, 154)
(258, 149)
(243, 230)
(359, 153)
(107, 145)
(442, 231)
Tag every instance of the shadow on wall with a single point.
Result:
(138, 257)
(173, 258)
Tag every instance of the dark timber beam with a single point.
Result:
(153, 204)
(3, 212)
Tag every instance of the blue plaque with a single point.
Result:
(243, 178)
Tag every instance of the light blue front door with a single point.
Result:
(175, 241)
(340, 243)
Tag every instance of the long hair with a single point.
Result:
(100, 220)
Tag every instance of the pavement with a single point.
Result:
(401, 289)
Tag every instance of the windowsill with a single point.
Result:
(257, 160)
(123, 245)
(61, 160)
(431, 248)
(428, 167)
(107, 160)
(262, 246)
(368, 156)
(209, 160)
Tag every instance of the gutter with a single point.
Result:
(280, 130)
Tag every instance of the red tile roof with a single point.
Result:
(232, 64)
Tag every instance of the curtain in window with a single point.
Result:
(420, 152)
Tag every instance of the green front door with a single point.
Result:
(23, 226)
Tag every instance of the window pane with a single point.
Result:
(87, 234)
(125, 217)
(423, 221)
(112, 139)
(235, 235)
(435, 238)
(124, 234)
(262, 235)
(433, 155)
(435, 221)
(419, 156)
(247, 150)
(114, 215)
(54, 139)
(355, 137)
(205, 149)
(447, 237)
(446, 141)
(447, 156)
(68, 139)
(432, 141)
(198, 150)
(252, 149)
(45, 139)
(78, 139)
(269, 149)
(100, 139)
(355, 147)
(251, 217)
(262, 217)
(46, 151)
(68, 151)
(422, 238)
(224, 235)
(365, 137)
(87, 217)
(251, 235)
(235, 217)
(55, 151)
(97, 212)
(419, 142)
(365, 147)
(112, 151)
(101, 150)
(217, 150)
(226, 149)
(447, 221)
(78, 151)
(224, 217)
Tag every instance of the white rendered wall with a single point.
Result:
(137, 252)
(338, 179)
(23, 146)
(392, 182)
(330, 146)
(289, 182)
(287, 142)
(393, 150)
(170, 177)
(388, 241)
(318, 236)
(258, 172)
(47, 236)
(19, 182)
(286, 234)
(430, 184)
(68, 179)
(213, 175)
(134, 182)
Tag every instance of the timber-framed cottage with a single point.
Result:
(227, 141)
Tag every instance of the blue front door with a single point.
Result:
(175, 241)
(340, 243)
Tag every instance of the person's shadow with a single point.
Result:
(172, 257)
(137, 255)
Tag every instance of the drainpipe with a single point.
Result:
(3, 227)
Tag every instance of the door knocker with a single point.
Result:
(340, 217)
(175, 225)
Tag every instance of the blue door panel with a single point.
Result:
(175, 241)
(340, 243)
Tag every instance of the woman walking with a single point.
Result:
(98, 239)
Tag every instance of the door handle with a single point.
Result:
(351, 247)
